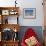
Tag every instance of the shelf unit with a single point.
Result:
(8, 11)
(5, 13)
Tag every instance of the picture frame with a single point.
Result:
(29, 13)
(5, 12)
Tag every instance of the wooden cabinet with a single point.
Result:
(9, 23)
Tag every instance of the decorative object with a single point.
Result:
(13, 12)
(29, 13)
(30, 38)
(5, 12)
(15, 30)
(15, 37)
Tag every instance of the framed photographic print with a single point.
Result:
(5, 12)
(29, 13)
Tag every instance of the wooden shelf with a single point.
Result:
(10, 8)
(4, 25)
(10, 26)
(9, 43)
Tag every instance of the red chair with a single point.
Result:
(29, 33)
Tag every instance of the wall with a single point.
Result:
(39, 13)
(38, 21)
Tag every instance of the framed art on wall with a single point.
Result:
(29, 13)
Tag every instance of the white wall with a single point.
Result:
(39, 13)
(27, 4)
